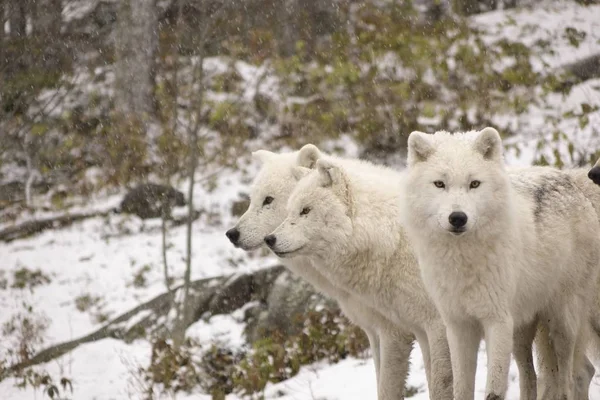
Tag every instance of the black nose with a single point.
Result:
(270, 240)
(594, 175)
(233, 235)
(458, 219)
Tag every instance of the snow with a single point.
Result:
(100, 256)
(101, 371)
(355, 379)
(546, 21)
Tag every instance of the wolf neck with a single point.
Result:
(367, 263)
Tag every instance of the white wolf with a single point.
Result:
(390, 345)
(497, 251)
(345, 219)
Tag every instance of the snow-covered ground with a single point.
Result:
(100, 257)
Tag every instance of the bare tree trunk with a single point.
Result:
(18, 19)
(286, 11)
(2, 20)
(2, 34)
(163, 230)
(47, 17)
(137, 45)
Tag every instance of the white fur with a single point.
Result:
(526, 253)
(345, 219)
(277, 178)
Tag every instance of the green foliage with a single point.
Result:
(27, 278)
(139, 278)
(219, 371)
(379, 73)
(28, 65)
(86, 301)
(23, 333)
(326, 336)
(171, 368)
(126, 149)
(558, 149)
(398, 74)
(574, 36)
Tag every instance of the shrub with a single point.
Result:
(217, 370)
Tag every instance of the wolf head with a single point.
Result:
(269, 194)
(455, 185)
(319, 214)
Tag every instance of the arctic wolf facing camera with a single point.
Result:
(499, 250)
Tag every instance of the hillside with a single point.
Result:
(518, 69)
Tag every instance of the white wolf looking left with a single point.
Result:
(278, 176)
(498, 250)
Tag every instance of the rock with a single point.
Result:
(239, 207)
(286, 306)
(150, 200)
(11, 192)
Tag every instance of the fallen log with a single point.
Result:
(30, 228)
(210, 296)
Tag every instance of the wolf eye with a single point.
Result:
(268, 200)
(305, 211)
(439, 184)
(474, 184)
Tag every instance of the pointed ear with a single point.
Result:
(329, 174)
(308, 156)
(262, 155)
(489, 144)
(419, 148)
(300, 172)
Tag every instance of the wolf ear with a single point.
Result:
(300, 172)
(419, 148)
(308, 156)
(489, 144)
(331, 175)
(262, 155)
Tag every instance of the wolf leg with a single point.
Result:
(499, 346)
(463, 340)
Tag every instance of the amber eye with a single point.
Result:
(474, 184)
(268, 200)
(439, 184)
(305, 211)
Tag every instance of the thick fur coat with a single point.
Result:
(391, 345)
(345, 218)
(498, 251)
